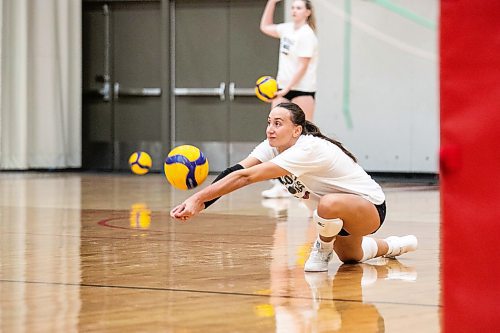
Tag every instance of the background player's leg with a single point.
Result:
(306, 103)
(278, 100)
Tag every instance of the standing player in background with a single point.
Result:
(298, 57)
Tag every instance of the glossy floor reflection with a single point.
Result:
(98, 252)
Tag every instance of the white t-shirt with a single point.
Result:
(295, 44)
(318, 167)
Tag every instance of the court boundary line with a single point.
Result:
(227, 293)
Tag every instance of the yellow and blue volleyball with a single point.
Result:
(186, 167)
(140, 162)
(266, 88)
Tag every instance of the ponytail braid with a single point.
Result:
(299, 118)
(313, 130)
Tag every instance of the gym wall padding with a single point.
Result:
(470, 164)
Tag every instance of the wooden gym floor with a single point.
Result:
(87, 252)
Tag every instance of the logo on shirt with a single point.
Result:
(286, 45)
(295, 186)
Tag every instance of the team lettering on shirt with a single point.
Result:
(286, 45)
(295, 186)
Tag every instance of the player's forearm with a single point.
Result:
(299, 74)
(224, 186)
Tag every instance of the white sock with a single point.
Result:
(326, 245)
(370, 248)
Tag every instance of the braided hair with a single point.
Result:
(298, 117)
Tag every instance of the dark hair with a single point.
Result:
(298, 117)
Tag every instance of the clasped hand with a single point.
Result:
(187, 209)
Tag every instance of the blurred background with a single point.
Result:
(86, 83)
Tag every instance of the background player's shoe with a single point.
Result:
(279, 207)
(277, 191)
(310, 206)
(400, 245)
(318, 259)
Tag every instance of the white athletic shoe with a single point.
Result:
(400, 245)
(278, 206)
(318, 259)
(277, 191)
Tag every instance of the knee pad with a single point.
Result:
(327, 227)
(370, 248)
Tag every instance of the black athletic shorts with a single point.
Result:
(381, 213)
(296, 93)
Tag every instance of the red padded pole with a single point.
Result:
(470, 164)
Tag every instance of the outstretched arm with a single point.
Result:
(299, 74)
(267, 25)
(246, 163)
(238, 179)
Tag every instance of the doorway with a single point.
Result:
(158, 74)
(124, 83)
(219, 52)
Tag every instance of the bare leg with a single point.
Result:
(349, 249)
(278, 100)
(307, 104)
(359, 217)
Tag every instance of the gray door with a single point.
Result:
(124, 109)
(219, 52)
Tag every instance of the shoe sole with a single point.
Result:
(312, 270)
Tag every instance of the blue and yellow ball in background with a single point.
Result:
(266, 88)
(140, 162)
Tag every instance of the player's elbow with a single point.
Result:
(250, 175)
(241, 181)
(268, 30)
(242, 178)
